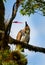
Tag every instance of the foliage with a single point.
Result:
(32, 6)
(12, 58)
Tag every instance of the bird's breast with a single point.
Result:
(24, 38)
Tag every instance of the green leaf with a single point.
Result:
(29, 7)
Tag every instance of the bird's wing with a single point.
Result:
(19, 36)
(28, 39)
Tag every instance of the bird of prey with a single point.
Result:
(23, 36)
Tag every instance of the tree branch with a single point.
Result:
(14, 11)
(24, 45)
(27, 46)
(8, 28)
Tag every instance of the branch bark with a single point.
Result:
(14, 11)
(27, 46)
(24, 45)
(8, 28)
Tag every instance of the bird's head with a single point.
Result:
(27, 28)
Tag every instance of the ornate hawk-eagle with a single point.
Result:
(24, 36)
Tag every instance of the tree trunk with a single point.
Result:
(2, 25)
(7, 31)
(2, 13)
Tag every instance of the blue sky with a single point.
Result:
(37, 36)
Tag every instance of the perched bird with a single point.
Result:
(24, 36)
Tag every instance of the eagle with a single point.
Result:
(23, 36)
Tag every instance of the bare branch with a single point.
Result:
(27, 46)
(14, 11)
